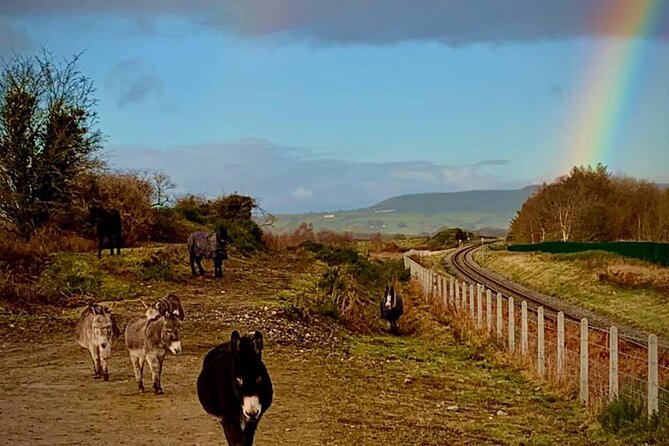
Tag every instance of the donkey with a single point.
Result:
(234, 387)
(148, 340)
(108, 225)
(204, 245)
(95, 331)
(170, 306)
(392, 308)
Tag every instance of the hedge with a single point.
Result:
(649, 251)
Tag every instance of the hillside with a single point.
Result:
(420, 213)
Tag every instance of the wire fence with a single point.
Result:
(600, 364)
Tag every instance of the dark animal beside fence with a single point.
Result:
(148, 340)
(170, 306)
(108, 226)
(204, 245)
(234, 387)
(95, 331)
(392, 308)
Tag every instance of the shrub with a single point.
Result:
(245, 235)
(69, 275)
(171, 227)
(447, 238)
(627, 418)
(161, 265)
(350, 286)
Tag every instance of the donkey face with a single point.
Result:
(389, 298)
(248, 374)
(170, 335)
(102, 331)
(94, 214)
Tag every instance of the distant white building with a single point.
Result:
(328, 216)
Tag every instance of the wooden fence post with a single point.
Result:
(451, 293)
(541, 356)
(523, 329)
(653, 383)
(463, 296)
(500, 316)
(479, 307)
(560, 344)
(584, 391)
(488, 310)
(471, 301)
(456, 303)
(613, 363)
(512, 326)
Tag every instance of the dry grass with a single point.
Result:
(350, 390)
(594, 281)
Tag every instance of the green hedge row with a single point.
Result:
(649, 251)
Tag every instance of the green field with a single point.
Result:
(411, 223)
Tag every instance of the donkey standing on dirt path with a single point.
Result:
(148, 340)
(203, 245)
(234, 387)
(95, 330)
(108, 225)
(392, 308)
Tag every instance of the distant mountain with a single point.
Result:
(489, 210)
(469, 201)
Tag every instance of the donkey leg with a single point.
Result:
(137, 368)
(218, 270)
(100, 244)
(104, 364)
(233, 433)
(95, 355)
(119, 242)
(155, 366)
(198, 260)
(191, 258)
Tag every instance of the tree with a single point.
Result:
(162, 185)
(47, 138)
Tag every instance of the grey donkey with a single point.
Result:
(203, 245)
(148, 339)
(95, 331)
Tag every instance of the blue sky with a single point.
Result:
(310, 106)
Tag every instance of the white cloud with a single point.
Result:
(285, 179)
(303, 193)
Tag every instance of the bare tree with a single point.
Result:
(47, 138)
(162, 188)
(561, 203)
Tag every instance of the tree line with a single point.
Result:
(592, 205)
(51, 171)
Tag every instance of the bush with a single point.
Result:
(447, 238)
(350, 286)
(69, 275)
(627, 418)
(245, 235)
(161, 265)
(170, 227)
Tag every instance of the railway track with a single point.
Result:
(465, 266)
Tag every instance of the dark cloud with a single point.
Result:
(133, 81)
(377, 21)
(289, 179)
(13, 40)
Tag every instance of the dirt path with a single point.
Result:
(331, 388)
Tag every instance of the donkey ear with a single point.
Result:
(257, 342)
(234, 341)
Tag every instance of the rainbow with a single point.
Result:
(606, 97)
